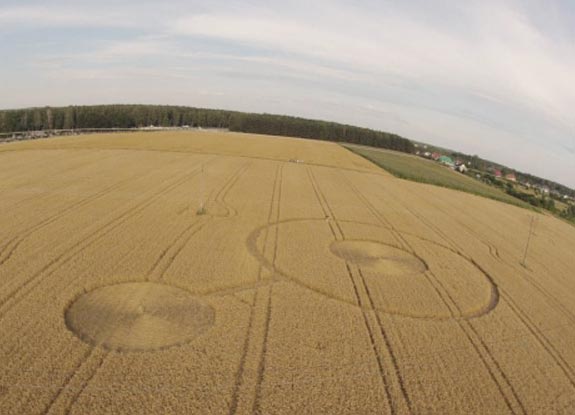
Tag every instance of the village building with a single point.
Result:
(541, 189)
(446, 160)
(461, 168)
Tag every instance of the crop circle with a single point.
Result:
(138, 316)
(387, 259)
(433, 283)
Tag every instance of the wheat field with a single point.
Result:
(222, 273)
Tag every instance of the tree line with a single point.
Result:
(133, 116)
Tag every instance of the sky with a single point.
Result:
(489, 77)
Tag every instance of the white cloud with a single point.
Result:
(502, 56)
(44, 16)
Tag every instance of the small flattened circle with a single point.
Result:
(138, 316)
(386, 259)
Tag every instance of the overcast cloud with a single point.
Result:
(495, 78)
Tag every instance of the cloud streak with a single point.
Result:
(43, 16)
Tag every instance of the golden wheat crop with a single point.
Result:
(220, 273)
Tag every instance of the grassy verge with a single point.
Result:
(409, 167)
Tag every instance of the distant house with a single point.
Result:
(497, 173)
(435, 156)
(542, 189)
(427, 154)
(511, 177)
(461, 168)
(446, 160)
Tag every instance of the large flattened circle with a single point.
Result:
(138, 316)
(413, 277)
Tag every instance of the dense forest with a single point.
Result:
(132, 116)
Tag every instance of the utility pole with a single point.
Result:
(531, 226)
(202, 209)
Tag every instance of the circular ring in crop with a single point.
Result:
(420, 279)
(138, 316)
